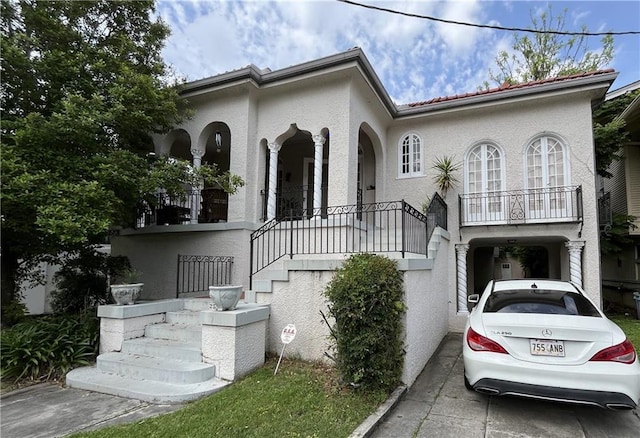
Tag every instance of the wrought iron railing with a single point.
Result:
(438, 208)
(554, 204)
(605, 214)
(206, 205)
(379, 227)
(292, 198)
(197, 272)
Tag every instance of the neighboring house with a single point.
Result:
(324, 150)
(621, 194)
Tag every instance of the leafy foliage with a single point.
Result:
(82, 281)
(366, 302)
(83, 88)
(445, 177)
(40, 349)
(610, 132)
(617, 236)
(547, 54)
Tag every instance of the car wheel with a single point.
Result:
(467, 384)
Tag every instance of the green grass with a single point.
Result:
(302, 400)
(630, 326)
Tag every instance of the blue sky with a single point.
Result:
(416, 59)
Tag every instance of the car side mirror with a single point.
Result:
(473, 299)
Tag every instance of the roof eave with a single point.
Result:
(603, 81)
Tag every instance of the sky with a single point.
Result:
(416, 59)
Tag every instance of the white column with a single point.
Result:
(461, 270)
(195, 194)
(575, 260)
(274, 148)
(318, 141)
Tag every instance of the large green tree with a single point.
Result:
(546, 52)
(83, 87)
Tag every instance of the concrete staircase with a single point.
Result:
(164, 366)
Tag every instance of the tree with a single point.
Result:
(83, 87)
(547, 54)
(609, 131)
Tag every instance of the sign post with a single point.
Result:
(287, 335)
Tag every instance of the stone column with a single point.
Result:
(575, 260)
(461, 271)
(274, 148)
(318, 141)
(195, 194)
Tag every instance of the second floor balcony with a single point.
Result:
(516, 207)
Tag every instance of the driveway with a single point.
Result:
(439, 405)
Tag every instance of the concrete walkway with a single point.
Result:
(48, 410)
(437, 405)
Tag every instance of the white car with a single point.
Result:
(545, 339)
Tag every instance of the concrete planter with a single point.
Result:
(126, 293)
(225, 297)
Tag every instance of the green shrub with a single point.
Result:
(366, 301)
(82, 281)
(42, 348)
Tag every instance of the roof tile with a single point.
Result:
(506, 86)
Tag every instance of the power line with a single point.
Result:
(486, 26)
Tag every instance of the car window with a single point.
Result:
(540, 301)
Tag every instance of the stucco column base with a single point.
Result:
(235, 340)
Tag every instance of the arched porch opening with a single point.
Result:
(214, 146)
(302, 164)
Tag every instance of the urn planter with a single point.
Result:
(225, 297)
(126, 293)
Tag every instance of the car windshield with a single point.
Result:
(541, 301)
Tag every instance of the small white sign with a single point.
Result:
(288, 334)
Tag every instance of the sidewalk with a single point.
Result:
(48, 410)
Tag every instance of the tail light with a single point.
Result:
(478, 342)
(623, 353)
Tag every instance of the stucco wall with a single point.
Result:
(155, 254)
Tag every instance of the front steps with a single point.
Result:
(164, 366)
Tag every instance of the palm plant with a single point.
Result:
(445, 178)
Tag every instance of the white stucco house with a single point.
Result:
(333, 166)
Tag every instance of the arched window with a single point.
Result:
(546, 178)
(546, 163)
(410, 156)
(484, 182)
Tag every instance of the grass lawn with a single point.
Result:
(630, 326)
(302, 400)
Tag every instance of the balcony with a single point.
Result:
(208, 205)
(517, 207)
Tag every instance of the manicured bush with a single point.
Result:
(47, 347)
(366, 301)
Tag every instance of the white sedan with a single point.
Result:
(545, 339)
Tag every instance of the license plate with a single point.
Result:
(546, 347)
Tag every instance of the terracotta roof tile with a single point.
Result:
(507, 86)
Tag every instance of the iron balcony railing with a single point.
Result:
(206, 205)
(605, 214)
(532, 206)
(379, 227)
(197, 272)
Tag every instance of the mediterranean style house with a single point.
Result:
(333, 166)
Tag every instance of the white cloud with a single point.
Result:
(416, 59)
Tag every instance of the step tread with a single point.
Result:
(91, 379)
(153, 362)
